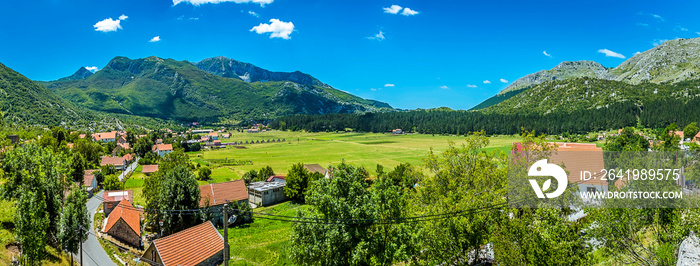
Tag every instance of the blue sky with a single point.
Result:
(435, 53)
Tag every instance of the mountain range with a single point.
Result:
(213, 90)
(661, 72)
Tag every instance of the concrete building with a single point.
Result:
(266, 193)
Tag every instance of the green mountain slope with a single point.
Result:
(669, 63)
(23, 101)
(179, 90)
(587, 93)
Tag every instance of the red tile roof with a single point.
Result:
(116, 161)
(190, 246)
(105, 135)
(117, 195)
(164, 147)
(269, 179)
(149, 168)
(221, 193)
(126, 212)
(88, 176)
(128, 157)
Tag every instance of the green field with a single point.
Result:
(364, 149)
(263, 242)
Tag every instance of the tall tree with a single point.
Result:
(78, 166)
(296, 182)
(32, 225)
(265, 173)
(179, 191)
(74, 222)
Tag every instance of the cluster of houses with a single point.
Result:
(201, 244)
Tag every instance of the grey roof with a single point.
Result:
(265, 186)
(315, 168)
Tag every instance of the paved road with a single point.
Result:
(94, 254)
(129, 169)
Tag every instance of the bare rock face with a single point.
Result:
(565, 70)
(689, 251)
(229, 68)
(672, 61)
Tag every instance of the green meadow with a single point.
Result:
(364, 149)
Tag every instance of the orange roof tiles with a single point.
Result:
(88, 176)
(190, 246)
(149, 168)
(116, 161)
(117, 195)
(124, 211)
(164, 147)
(220, 193)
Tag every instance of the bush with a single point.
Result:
(204, 173)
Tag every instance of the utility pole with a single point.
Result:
(225, 234)
(81, 250)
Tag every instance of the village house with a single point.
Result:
(697, 138)
(266, 193)
(89, 181)
(213, 136)
(149, 169)
(198, 245)
(118, 162)
(124, 224)
(397, 131)
(105, 136)
(218, 194)
(253, 130)
(315, 168)
(276, 178)
(128, 158)
(226, 135)
(111, 198)
(162, 149)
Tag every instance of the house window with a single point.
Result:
(590, 189)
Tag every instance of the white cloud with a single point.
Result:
(487, 82)
(658, 42)
(642, 24)
(503, 80)
(252, 13)
(679, 28)
(389, 85)
(194, 18)
(277, 28)
(471, 86)
(92, 69)
(609, 53)
(409, 12)
(379, 36)
(109, 24)
(155, 39)
(636, 53)
(546, 54)
(394, 9)
(659, 18)
(200, 2)
(373, 89)
(698, 32)
(444, 87)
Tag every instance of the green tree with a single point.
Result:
(204, 173)
(628, 140)
(143, 146)
(250, 176)
(265, 173)
(691, 130)
(32, 225)
(74, 222)
(669, 140)
(179, 191)
(112, 182)
(89, 149)
(462, 178)
(297, 181)
(404, 175)
(78, 166)
(59, 134)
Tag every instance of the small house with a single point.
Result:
(162, 149)
(89, 181)
(149, 169)
(266, 193)
(118, 162)
(124, 224)
(397, 131)
(276, 178)
(315, 168)
(198, 245)
(105, 136)
(110, 199)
